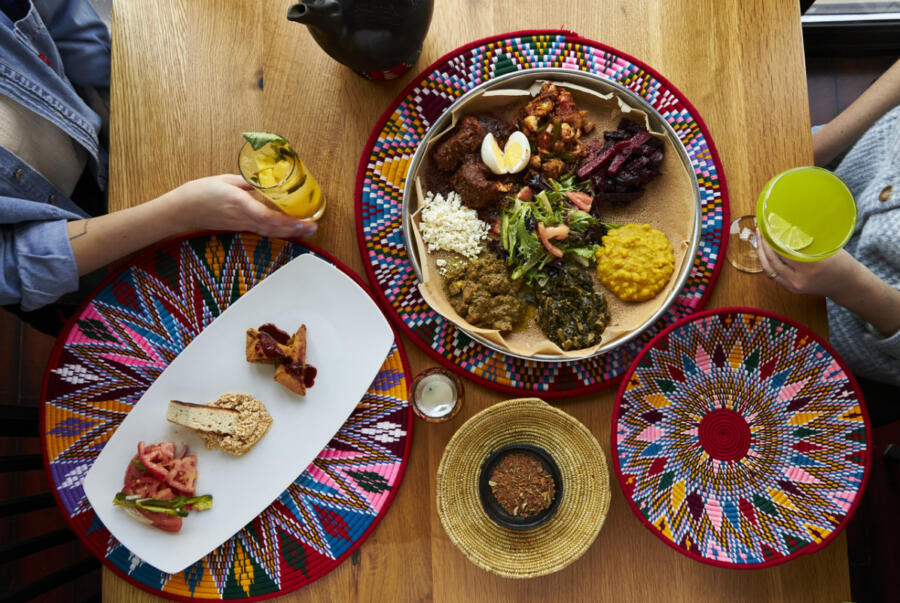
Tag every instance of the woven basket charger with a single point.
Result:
(740, 439)
(127, 334)
(582, 509)
(381, 179)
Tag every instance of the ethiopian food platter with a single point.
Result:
(243, 409)
(552, 215)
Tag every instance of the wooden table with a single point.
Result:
(185, 83)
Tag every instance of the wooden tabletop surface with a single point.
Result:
(185, 84)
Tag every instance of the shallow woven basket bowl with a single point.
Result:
(582, 510)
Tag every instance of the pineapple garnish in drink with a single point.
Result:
(269, 163)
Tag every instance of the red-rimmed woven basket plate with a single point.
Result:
(741, 439)
(123, 338)
(382, 174)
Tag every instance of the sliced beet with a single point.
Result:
(620, 166)
(604, 157)
(616, 164)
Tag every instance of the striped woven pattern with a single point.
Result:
(127, 335)
(740, 439)
(380, 193)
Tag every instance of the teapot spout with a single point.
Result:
(314, 12)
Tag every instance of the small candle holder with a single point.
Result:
(436, 395)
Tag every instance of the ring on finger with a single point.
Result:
(773, 275)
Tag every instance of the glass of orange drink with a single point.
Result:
(269, 163)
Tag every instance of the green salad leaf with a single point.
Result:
(519, 231)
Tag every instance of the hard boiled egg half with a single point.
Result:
(512, 159)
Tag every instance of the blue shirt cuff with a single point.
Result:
(46, 264)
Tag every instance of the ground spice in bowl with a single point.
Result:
(521, 485)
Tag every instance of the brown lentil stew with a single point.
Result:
(482, 293)
(570, 311)
(521, 485)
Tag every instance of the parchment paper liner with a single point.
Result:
(667, 204)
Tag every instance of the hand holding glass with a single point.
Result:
(270, 164)
(805, 214)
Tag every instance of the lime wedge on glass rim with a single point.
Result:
(787, 235)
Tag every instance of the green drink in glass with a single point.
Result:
(806, 214)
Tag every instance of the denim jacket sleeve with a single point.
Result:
(35, 255)
(81, 38)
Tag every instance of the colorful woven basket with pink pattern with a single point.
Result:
(740, 439)
(379, 195)
(127, 334)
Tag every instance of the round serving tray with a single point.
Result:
(523, 80)
(381, 179)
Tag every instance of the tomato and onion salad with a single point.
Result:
(159, 486)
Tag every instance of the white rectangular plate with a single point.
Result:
(348, 339)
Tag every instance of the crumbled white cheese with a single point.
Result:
(441, 262)
(450, 226)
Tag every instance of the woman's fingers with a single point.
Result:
(269, 222)
(763, 251)
(235, 180)
(775, 267)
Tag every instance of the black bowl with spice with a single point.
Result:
(520, 486)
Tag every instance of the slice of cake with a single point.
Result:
(253, 423)
(262, 347)
(201, 417)
(294, 373)
(270, 345)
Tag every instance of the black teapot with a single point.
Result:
(379, 39)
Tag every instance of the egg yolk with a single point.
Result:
(513, 156)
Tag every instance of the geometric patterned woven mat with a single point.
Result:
(382, 175)
(740, 439)
(126, 335)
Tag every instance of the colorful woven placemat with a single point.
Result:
(379, 195)
(741, 439)
(127, 334)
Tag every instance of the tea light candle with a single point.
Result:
(437, 395)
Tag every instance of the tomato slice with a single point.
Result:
(167, 449)
(183, 474)
(164, 492)
(163, 521)
(155, 458)
(582, 201)
(132, 472)
(144, 487)
(162, 477)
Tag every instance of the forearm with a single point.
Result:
(841, 132)
(215, 202)
(98, 241)
(873, 300)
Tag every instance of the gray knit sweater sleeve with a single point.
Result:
(872, 172)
